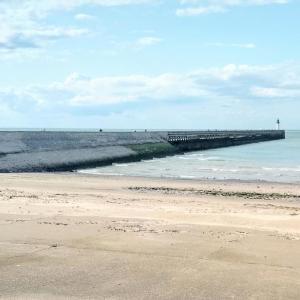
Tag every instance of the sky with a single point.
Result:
(155, 64)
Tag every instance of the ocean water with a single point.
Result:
(277, 161)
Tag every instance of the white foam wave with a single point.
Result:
(281, 169)
(120, 165)
(211, 158)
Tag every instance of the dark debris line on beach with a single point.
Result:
(249, 195)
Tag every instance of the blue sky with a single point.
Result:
(149, 63)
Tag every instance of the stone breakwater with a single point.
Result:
(47, 151)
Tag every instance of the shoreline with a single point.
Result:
(78, 236)
(193, 179)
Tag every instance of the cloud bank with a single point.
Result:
(22, 26)
(232, 87)
(201, 7)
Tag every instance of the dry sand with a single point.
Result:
(71, 236)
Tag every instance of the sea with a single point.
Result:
(276, 161)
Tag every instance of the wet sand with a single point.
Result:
(74, 236)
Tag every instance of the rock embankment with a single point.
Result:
(47, 151)
(66, 151)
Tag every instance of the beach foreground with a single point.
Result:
(73, 236)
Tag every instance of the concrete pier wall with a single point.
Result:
(219, 139)
(66, 151)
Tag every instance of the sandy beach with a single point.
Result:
(75, 236)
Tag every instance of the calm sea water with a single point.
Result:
(269, 161)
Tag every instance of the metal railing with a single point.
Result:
(185, 136)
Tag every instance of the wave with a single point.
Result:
(97, 172)
(185, 157)
(109, 174)
(281, 169)
(120, 165)
(147, 161)
(214, 169)
(210, 158)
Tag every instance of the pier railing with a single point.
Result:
(186, 136)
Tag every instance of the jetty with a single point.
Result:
(50, 151)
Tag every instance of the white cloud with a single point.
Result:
(38, 8)
(83, 17)
(196, 11)
(148, 41)
(213, 95)
(200, 7)
(134, 45)
(22, 24)
(243, 82)
(51, 33)
(275, 92)
(114, 90)
(232, 45)
(15, 40)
